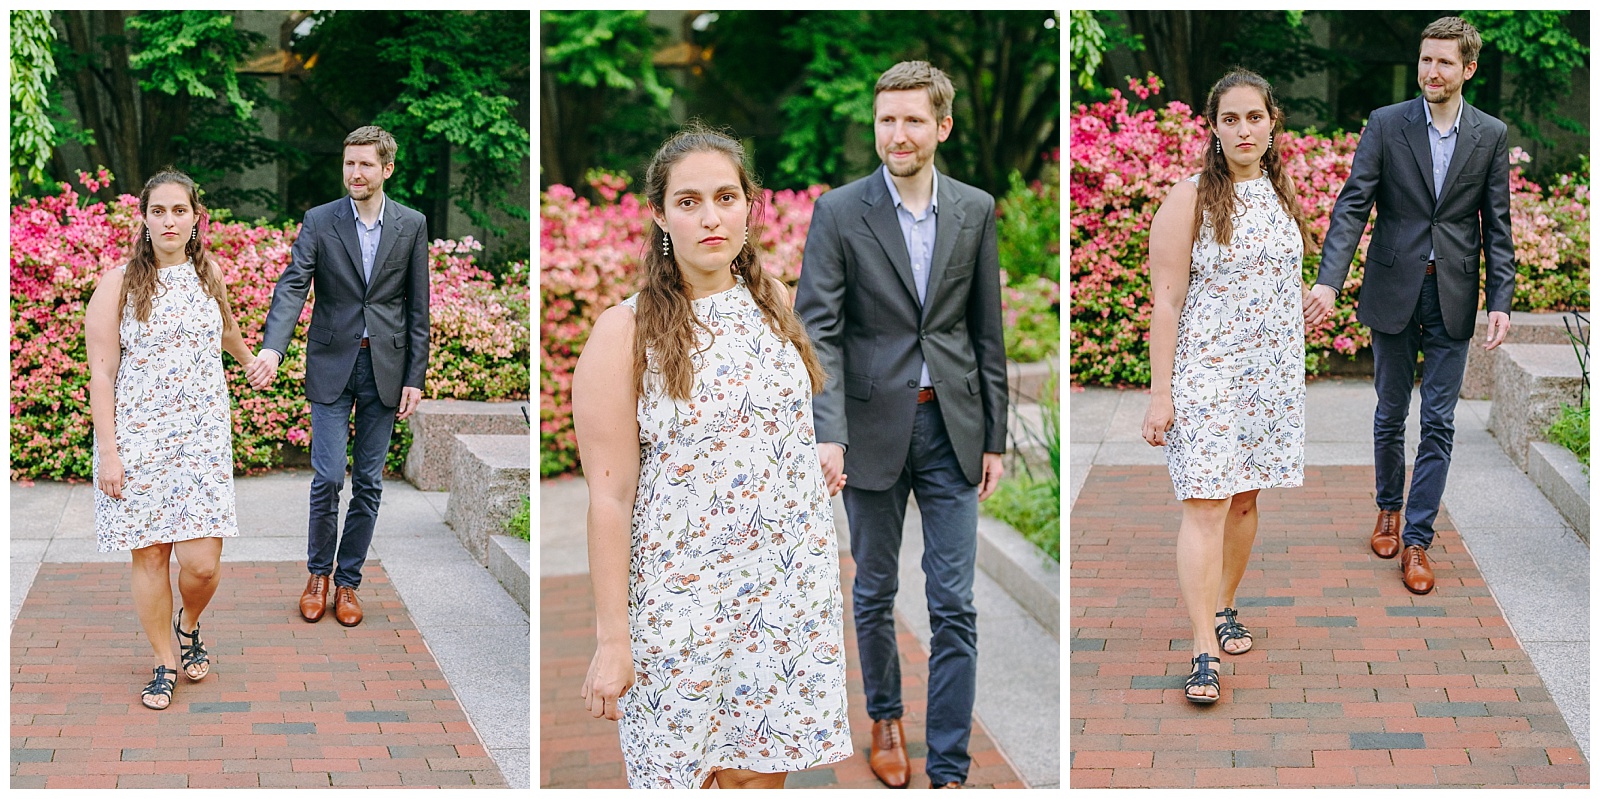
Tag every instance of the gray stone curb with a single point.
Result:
(1026, 573)
(1557, 473)
(508, 562)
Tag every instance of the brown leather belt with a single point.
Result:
(1430, 268)
(925, 395)
(364, 341)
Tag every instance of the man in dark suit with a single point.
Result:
(367, 350)
(900, 291)
(1438, 170)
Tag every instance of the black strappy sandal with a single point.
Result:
(1203, 677)
(194, 652)
(161, 686)
(1232, 630)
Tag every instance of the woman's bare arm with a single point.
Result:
(1171, 241)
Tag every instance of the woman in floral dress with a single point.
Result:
(711, 540)
(163, 465)
(1227, 356)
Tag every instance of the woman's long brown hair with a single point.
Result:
(141, 279)
(664, 321)
(1216, 195)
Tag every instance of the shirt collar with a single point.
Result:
(1427, 118)
(894, 193)
(382, 203)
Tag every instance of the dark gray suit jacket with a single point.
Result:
(859, 302)
(1393, 169)
(393, 307)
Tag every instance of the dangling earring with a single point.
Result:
(1269, 141)
(194, 233)
(666, 248)
(147, 234)
(747, 237)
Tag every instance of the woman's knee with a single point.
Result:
(742, 778)
(1243, 504)
(204, 570)
(153, 559)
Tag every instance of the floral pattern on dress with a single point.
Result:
(1238, 378)
(735, 609)
(174, 426)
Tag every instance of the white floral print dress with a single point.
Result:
(1239, 380)
(174, 427)
(736, 613)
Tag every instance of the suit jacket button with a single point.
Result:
(911, 384)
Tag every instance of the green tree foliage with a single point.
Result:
(1541, 54)
(1005, 66)
(158, 88)
(1093, 34)
(33, 66)
(601, 103)
(442, 82)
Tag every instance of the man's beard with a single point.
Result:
(906, 170)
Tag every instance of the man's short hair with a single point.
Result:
(918, 75)
(1461, 32)
(376, 136)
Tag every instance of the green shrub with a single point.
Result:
(520, 525)
(1571, 430)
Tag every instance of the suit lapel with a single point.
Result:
(1417, 138)
(387, 234)
(345, 228)
(948, 226)
(885, 226)
(1469, 134)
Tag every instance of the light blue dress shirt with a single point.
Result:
(1443, 148)
(918, 232)
(369, 237)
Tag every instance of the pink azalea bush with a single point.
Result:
(1125, 161)
(589, 255)
(61, 245)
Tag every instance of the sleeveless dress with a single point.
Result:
(1238, 379)
(735, 609)
(174, 427)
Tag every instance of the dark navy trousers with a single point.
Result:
(949, 508)
(1444, 365)
(330, 434)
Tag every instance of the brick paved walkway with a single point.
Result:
(1352, 680)
(287, 704)
(577, 751)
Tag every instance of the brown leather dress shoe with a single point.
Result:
(314, 600)
(346, 608)
(1386, 534)
(889, 761)
(1415, 571)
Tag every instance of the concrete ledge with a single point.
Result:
(434, 424)
(1026, 380)
(1557, 472)
(1531, 381)
(1028, 575)
(508, 562)
(1526, 328)
(491, 475)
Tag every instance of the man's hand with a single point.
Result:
(262, 370)
(409, 399)
(1499, 326)
(1319, 306)
(993, 469)
(832, 457)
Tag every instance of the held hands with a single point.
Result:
(1317, 304)
(1158, 419)
(832, 457)
(262, 370)
(111, 475)
(610, 676)
(409, 399)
